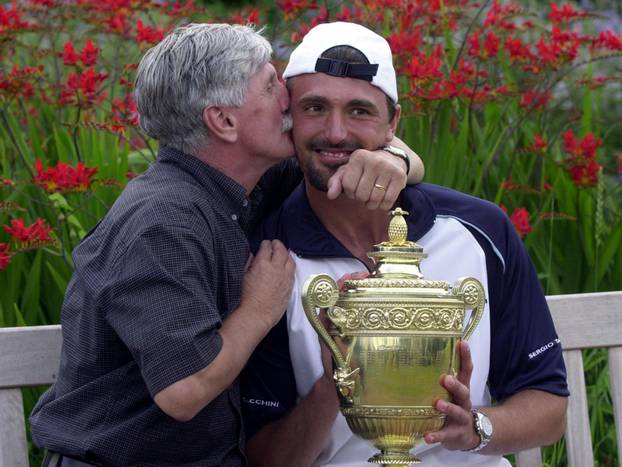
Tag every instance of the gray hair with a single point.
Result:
(195, 66)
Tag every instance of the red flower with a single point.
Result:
(517, 50)
(584, 148)
(405, 42)
(293, 7)
(177, 9)
(124, 113)
(246, 16)
(116, 23)
(609, 40)
(83, 87)
(585, 174)
(64, 178)
(424, 68)
(582, 165)
(345, 14)
(33, 236)
(88, 56)
(148, 34)
(539, 143)
(497, 15)
(533, 100)
(69, 55)
(520, 219)
(16, 84)
(507, 185)
(488, 49)
(10, 20)
(565, 14)
(5, 256)
(89, 53)
(619, 157)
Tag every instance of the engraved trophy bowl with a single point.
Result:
(397, 334)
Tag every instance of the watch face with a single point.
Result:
(396, 151)
(486, 425)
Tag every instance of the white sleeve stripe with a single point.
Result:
(492, 244)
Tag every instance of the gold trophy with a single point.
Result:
(397, 336)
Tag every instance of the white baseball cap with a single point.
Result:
(306, 58)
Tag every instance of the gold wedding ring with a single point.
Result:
(380, 187)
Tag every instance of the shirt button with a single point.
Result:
(245, 203)
(234, 217)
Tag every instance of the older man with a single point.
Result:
(166, 303)
(343, 97)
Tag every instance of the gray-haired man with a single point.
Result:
(166, 304)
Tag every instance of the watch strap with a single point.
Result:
(397, 152)
(479, 430)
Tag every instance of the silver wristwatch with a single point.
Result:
(483, 427)
(397, 152)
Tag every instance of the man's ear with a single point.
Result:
(393, 123)
(221, 123)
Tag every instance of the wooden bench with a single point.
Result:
(29, 356)
(585, 321)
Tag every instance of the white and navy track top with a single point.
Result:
(515, 346)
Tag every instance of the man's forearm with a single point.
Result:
(240, 335)
(417, 170)
(528, 419)
(299, 438)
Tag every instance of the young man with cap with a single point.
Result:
(343, 96)
(166, 303)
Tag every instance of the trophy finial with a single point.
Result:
(398, 230)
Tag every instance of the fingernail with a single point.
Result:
(450, 381)
(441, 405)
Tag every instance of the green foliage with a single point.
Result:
(470, 108)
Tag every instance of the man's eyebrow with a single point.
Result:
(362, 103)
(313, 99)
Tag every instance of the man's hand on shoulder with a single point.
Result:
(375, 178)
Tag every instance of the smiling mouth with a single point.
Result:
(333, 157)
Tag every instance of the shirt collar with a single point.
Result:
(214, 181)
(305, 235)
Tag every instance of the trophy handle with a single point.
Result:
(322, 291)
(474, 298)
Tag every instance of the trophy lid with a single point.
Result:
(397, 261)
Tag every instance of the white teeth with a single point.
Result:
(334, 154)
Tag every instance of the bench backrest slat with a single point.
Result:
(29, 356)
(585, 321)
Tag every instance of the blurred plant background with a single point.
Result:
(516, 102)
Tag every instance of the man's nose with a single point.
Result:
(336, 130)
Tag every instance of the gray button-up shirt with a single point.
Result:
(153, 282)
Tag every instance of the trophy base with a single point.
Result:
(394, 459)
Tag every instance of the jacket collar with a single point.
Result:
(303, 233)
